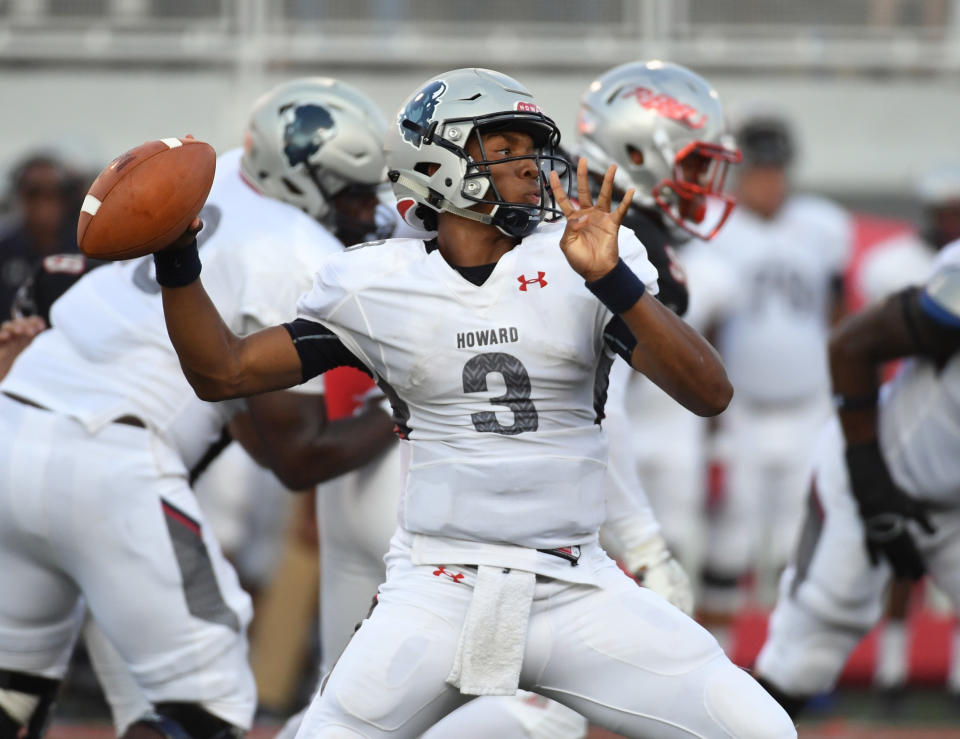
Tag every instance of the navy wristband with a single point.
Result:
(619, 289)
(177, 267)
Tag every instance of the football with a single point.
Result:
(145, 198)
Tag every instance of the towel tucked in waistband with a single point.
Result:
(494, 635)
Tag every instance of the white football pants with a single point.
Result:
(357, 516)
(615, 652)
(110, 517)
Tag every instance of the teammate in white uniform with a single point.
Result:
(892, 265)
(99, 430)
(886, 489)
(788, 254)
(493, 354)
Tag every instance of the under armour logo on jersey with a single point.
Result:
(455, 576)
(538, 280)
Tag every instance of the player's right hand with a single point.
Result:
(187, 237)
(885, 510)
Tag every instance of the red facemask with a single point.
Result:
(699, 205)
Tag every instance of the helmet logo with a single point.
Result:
(524, 107)
(306, 129)
(667, 106)
(420, 110)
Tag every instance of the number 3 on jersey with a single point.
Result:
(516, 398)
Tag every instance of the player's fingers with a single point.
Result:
(560, 195)
(583, 185)
(624, 206)
(606, 189)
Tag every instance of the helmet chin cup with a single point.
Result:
(698, 213)
(516, 221)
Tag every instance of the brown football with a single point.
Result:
(144, 199)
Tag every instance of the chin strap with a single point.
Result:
(442, 205)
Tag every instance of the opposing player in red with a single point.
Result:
(495, 579)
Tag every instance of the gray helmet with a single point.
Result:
(647, 118)
(431, 131)
(311, 138)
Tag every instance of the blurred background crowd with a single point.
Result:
(865, 95)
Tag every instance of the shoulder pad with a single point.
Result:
(941, 297)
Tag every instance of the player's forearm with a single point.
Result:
(207, 349)
(343, 446)
(677, 358)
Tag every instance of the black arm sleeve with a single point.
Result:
(320, 349)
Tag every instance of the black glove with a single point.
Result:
(885, 510)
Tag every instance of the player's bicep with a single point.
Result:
(269, 360)
(906, 324)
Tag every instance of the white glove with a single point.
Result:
(654, 567)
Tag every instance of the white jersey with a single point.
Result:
(920, 420)
(108, 354)
(495, 387)
(773, 339)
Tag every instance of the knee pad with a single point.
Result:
(22, 688)
(181, 721)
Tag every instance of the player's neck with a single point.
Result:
(466, 243)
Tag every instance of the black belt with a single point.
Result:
(125, 420)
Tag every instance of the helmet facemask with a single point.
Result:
(693, 198)
(516, 220)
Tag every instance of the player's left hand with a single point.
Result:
(589, 241)
(654, 567)
(885, 510)
(15, 336)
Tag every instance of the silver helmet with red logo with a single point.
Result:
(426, 150)
(663, 126)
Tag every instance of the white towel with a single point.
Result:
(494, 635)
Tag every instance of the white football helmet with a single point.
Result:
(310, 139)
(663, 126)
(426, 150)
